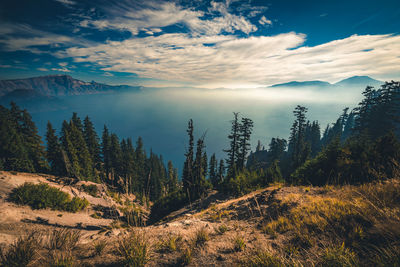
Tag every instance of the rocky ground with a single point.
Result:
(274, 226)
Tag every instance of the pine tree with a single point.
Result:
(299, 149)
(259, 146)
(199, 186)
(233, 150)
(187, 175)
(106, 147)
(213, 175)
(92, 142)
(246, 128)
(221, 171)
(172, 178)
(140, 166)
(13, 153)
(116, 161)
(33, 142)
(70, 156)
(54, 152)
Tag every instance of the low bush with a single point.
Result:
(42, 196)
(185, 257)
(170, 243)
(260, 258)
(338, 256)
(239, 243)
(90, 189)
(21, 253)
(63, 239)
(134, 250)
(99, 246)
(201, 237)
(165, 205)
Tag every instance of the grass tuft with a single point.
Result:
(201, 237)
(21, 253)
(134, 250)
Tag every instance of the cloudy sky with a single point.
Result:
(200, 43)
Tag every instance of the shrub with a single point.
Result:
(99, 247)
(21, 253)
(76, 204)
(90, 189)
(338, 256)
(239, 243)
(63, 239)
(170, 244)
(185, 258)
(221, 229)
(134, 250)
(201, 237)
(261, 258)
(165, 205)
(61, 259)
(42, 196)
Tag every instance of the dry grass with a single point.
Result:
(99, 246)
(239, 243)
(201, 236)
(170, 243)
(63, 239)
(134, 249)
(21, 253)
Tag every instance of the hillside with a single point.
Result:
(60, 85)
(274, 226)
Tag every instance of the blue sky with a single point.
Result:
(200, 43)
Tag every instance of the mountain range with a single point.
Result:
(64, 85)
(57, 85)
(355, 81)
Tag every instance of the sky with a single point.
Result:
(207, 44)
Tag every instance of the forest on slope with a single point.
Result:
(361, 146)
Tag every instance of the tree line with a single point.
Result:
(78, 152)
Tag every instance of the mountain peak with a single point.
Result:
(59, 85)
(359, 80)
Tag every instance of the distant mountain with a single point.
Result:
(359, 81)
(355, 81)
(303, 84)
(60, 85)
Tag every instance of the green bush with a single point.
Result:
(90, 189)
(42, 196)
(165, 205)
(134, 250)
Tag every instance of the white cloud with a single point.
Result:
(63, 64)
(254, 60)
(61, 69)
(131, 18)
(42, 69)
(66, 2)
(264, 21)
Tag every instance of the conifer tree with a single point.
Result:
(33, 142)
(245, 130)
(140, 165)
(221, 171)
(299, 149)
(92, 142)
(187, 175)
(13, 153)
(70, 156)
(199, 186)
(213, 171)
(54, 152)
(172, 178)
(233, 150)
(106, 147)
